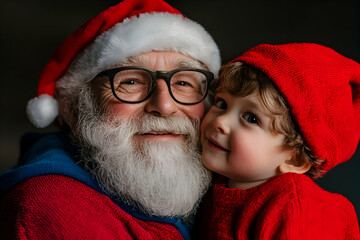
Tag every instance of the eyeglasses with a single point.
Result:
(136, 84)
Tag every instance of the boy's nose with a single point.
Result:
(221, 124)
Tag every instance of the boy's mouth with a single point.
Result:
(217, 146)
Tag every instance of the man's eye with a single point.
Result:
(220, 103)
(182, 83)
(251, 118)
(129, 81)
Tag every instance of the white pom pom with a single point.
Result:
(42, 110)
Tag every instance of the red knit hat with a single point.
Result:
(127, 29)
(322, 89)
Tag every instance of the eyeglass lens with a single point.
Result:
(135, 84)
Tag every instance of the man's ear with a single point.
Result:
(294, 166)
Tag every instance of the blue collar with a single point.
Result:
(44, 154)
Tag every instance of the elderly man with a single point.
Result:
(127, 89)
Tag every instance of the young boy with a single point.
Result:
(282, 116)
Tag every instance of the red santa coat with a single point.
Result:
(48, 196)
(288, 206)
(59, 207)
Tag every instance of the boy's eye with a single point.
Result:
(220, 103)
(251, 118)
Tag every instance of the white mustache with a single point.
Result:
(150, 124)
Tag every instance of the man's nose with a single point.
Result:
(160, 102)
(221, 124)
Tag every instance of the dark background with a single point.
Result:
(31, 30)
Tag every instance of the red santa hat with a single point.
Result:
(322, 89)
(126, 29)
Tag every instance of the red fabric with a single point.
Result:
(62, 57)
(322, 88)
(289, 206)
(57, 207)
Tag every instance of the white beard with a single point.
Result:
(162, 178)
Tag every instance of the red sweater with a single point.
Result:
(289, 206)
(58, 207)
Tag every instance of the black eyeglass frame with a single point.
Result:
(166, 75)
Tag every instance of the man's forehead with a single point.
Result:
(175, 59)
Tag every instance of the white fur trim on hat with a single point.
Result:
(148, 32)
(42, 110)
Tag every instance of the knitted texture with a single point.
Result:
(58, 207)
(322, 88)
(288, 206)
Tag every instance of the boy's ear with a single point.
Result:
(294, 166)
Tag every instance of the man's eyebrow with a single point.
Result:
(186, 63)
(134, 60)
(181, 63)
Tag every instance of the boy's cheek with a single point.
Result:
(203, 139)
(207, 160)
(207, 120)
(204, 124)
